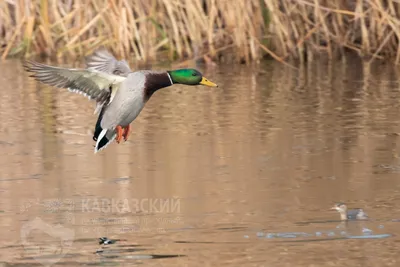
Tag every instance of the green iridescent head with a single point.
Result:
(189, 77)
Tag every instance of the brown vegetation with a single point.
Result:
(240, 30)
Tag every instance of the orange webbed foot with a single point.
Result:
(127, 130)
(120, 132)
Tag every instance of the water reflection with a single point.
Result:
(269, 148)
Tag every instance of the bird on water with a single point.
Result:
(107, 241)
(349, 214)
(119, 92)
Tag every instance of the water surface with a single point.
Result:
(240, 175)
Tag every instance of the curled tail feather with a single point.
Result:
(97, 128)
(103, 137)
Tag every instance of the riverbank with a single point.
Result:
(215, 31)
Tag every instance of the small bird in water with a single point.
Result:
(119, 92)
(353, 214)
(106, 241)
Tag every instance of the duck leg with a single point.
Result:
(120, 132)
(127, 130)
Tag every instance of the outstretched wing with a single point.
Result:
(104, 61)
(95, 85)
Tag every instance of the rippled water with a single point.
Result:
(240, 175)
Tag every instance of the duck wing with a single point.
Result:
(96, 85)
(104, 61)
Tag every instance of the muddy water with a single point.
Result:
(241, 175)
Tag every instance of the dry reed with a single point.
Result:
(242, 30)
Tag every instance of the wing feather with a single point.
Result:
(104, 61)
(92, 83)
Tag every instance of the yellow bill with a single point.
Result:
(206, 82)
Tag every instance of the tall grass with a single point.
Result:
(304, 28)
(222, 30)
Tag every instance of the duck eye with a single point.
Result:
(194, 74)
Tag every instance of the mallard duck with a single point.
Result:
(119, 92)
(353, 214)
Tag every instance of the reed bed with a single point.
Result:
(218, 30)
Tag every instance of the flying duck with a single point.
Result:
(119, 92)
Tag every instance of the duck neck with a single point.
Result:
(343, 216)
(156, 81)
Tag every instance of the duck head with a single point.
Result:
(189, 77)
(342, 209)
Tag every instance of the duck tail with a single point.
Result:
(105, 137)
(97, 128)
(102, 136)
